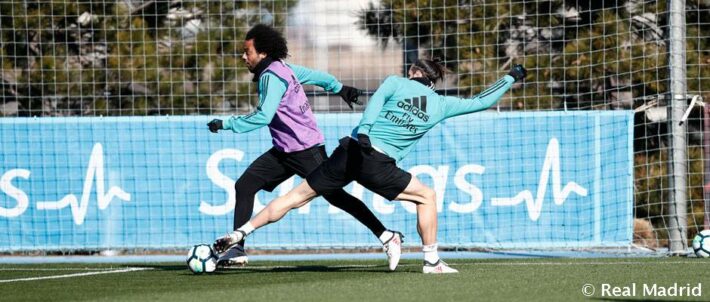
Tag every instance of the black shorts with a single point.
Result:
(274, 166)
(375, 171)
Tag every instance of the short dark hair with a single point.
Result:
(268, 40)
(432, 69)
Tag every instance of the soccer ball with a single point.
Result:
(701, 244)
(201, 259)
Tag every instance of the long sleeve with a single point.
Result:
(457, 106)
(318, 78)
(374, 106)
(271, 90)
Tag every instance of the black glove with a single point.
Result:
(215, 124)
(350, 95)
(518, 72)
(364, 142)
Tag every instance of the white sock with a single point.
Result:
(386, 235)
(247, 228)
(431, 254)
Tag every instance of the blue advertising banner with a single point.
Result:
(510, 180)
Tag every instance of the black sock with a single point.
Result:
(246, 187)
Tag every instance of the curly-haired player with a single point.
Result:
(298, 143)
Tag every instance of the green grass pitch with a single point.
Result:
(548, 279)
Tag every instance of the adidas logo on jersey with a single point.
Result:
(416, 106)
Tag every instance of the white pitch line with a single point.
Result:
(132, 269)
(55, 269)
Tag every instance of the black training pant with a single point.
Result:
(274, 167)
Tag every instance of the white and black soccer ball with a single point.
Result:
(201, 259)
(701, 244)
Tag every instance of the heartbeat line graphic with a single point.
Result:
(552, 163)
(95, 170)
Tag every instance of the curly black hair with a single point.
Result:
(268, 40)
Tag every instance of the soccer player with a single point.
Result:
(400, 112)
(298, 143)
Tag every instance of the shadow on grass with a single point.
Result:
(279, 268)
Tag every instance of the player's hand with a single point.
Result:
(518, 72)
(350, 95)
(215, 125)
(364, 142)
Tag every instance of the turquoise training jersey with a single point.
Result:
(402, 110)
(272, 90)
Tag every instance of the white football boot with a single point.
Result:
(235, 256)
(440, 267)
(393, 249)
(225, 243)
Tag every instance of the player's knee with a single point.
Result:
(338, 198)
(239, 187)
(304, 190)
(428, 196)
(243, 187)
(296, 197)
(299, 196)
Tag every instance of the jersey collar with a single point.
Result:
(424, 81)
(259, 69)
